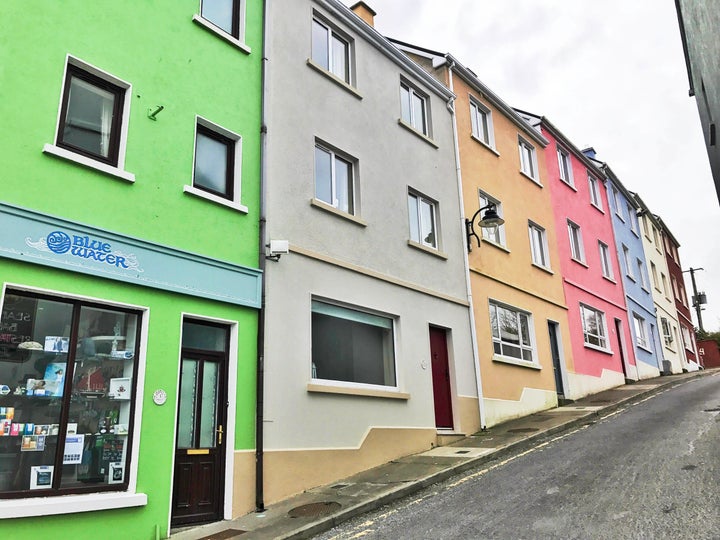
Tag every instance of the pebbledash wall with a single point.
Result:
(137, 232)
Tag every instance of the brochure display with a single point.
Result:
(65, 424)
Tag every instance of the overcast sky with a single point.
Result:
(609, 74)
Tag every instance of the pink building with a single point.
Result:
(597, 313)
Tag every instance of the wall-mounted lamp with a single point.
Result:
(152, 113)
(489, 220)
(276, 249)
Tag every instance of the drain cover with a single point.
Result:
(314, 509)
(523, 430)
(224, 535)
(712, 410)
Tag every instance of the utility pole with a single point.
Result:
(697, 299)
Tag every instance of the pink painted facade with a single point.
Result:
(599, 328)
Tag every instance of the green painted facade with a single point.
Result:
(172, 61)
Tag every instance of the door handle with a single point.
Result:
(219, 431)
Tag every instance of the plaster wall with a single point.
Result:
(679, 292)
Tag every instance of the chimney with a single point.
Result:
(365, 12)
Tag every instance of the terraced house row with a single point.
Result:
(248, 248)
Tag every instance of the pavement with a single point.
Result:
(322, 508)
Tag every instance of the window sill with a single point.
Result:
(645, 348)
(610, 279)
(334, 78)
(62, 153)
(534, 180)
(495, 245)
(222, 34)
(598, 208)
(417, 133)
(543, 268)
(598, 349)
(631, 278)
(581, 263)
(486, 145)
(68, 504)
(515, 362)
(637, 234)
(325, 207)
(426, 249)
(215, 199)
(355, 391)
(570, 185)
(644, 288)
(620, 217)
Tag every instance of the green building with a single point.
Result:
(129, 222)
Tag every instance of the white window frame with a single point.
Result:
(653, 270)
(478, 112)
(528, 159)
(237, 41)
(663, 279)
(605, 260)
(577, 249)
(618, 206)
(352, 189)
(495, 235)
(641, 335)
(629, 271)
(641, 272)
(333, 33)
(602, 336)
(363, 316)
(688, 342)
(632, 216)
(419, 200)
(565, 166)
(118, 170)
(233, 203)
(538, 245)
(497, 340)
(594, 188)
(668, 338)
(420, 125)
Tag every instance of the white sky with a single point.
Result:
(609, 74)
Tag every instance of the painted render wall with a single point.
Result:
(638, 297)
(583, 281)
(363, 261)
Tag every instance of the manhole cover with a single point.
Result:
(314, 509)
(523, 430)
(224, 535)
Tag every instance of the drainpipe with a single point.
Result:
(466, 263)
(260, 368)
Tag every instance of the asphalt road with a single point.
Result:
(650, 471)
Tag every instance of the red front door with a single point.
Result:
(441, 378)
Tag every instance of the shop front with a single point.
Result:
(127, 376)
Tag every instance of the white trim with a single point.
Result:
(69, 504)
(215, 198)
(85, 161)
(515, 361)
(239, 41)
(476, 109)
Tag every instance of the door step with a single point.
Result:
(444, 439)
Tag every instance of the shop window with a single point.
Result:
(352, 346)
(67, 390)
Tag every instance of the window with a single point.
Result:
(352, 346)
(645, 226)
(616, 202)
(92, 113)
(632, 217)
(330, 51)
(640, 331)
(538, 245)
(673, 281)
(70, 366)
(667, 332)
(605, 261)
(664, 285)
(653, 271)
(528, 160)
(216, 167)
(496, 234)
(334, 183)
(413, 108)
(566, 174)
(511, 332)
(595, 198)
(594, 328)
(655, 238)
(423, 220)
(641, 273)
(626, 260)
(688, 341)
(576, 244)
(224, 14)
(683, 297)
(482, 125)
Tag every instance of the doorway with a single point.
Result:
(554, 331)
(441, 378)
(199, 476)
(621, 347)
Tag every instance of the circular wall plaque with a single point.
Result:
(159, 397)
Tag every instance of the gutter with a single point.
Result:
(260, 368)
(466, 263)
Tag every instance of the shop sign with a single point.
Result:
(84, 247)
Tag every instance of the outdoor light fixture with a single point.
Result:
(488, 221)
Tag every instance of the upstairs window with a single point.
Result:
(334, 182)
(330, 51)
(577, 251)
(632, 217)
(423, 220)
(214, 162)
(538, 246)
(667, 331)
(528, 159)
(225, 14)
(595, 198)
(511, 332)
(640, 331)
(605, 261)
(616, 202)
(641, 274)
(594, 327)
(626, 260)
(566, 174)
(413, 108)
(495, 234)
(91, 116)
(482, 125)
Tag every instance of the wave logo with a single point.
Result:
(58, 242)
